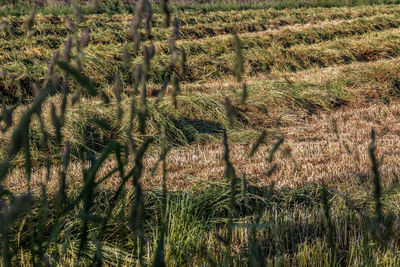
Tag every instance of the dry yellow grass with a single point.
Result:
(311, 153)
(316, 153)
(324, 75)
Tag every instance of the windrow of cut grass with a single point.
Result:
(286, 36)
(289, 36)
(371, 48)
(195, 26)
(25, 60)
(359, 83)
(58, 8)
(261, 24)
(261, 60)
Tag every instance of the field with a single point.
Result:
(223, 134)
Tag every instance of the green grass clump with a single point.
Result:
(197, 217)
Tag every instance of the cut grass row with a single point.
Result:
(290, 36)
(194, 26)
(285, 50)
(363, 48)
(365, 81)
(285, 36)
(22, 8)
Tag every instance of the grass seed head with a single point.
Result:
(176, 28)
(239, 63)
(70, 24)
(85, 38)
(125, 56)
(260, 140)
(78, 13)
(29, 22)
(67, 49)
(166, 11)
(229, 111)
(245, 93)
(148, 13)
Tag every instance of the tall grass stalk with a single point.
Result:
(377, 182)
(330, 234)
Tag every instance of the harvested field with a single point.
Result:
(237, 135)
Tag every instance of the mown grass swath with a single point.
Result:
(284, 53)
(115, 7)
(107, 102)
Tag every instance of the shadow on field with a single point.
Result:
(191, 128)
